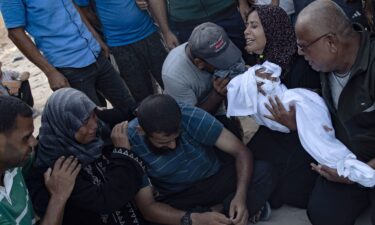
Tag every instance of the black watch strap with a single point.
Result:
(186, 219)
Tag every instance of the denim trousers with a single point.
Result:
(101, 78)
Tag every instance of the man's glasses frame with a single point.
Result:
(303, 48)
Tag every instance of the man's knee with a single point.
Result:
(263, 173)
(320, 215)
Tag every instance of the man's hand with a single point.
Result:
(330, 174)
(57, 80)
(210, 218)
(220, 86)
(280, 114)
(60, 181)
(142, 4)
(13, 86)
(238, 211)
(119, 135)
(170, 40)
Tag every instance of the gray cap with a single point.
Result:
(209, 42)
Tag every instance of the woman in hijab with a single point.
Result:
(270, 36)
(109, 178)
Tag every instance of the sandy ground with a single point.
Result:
(13, 59)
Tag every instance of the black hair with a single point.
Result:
(159, 114)
(10, 108)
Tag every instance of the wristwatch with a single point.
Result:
(186, 219)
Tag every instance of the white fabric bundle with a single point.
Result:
(314, 125)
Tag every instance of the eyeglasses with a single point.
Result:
(304, 47)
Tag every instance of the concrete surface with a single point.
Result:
(293, 216)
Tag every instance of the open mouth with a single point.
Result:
(249, 41)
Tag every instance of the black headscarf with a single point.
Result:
(65, 112)
(281, 45)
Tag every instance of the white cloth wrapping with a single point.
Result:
(313, 119)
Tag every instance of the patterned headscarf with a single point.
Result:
(65, 112)
(281, 44)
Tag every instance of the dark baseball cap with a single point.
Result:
(209, 42)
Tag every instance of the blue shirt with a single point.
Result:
(123, 22)
(193, 159)
(57, 29)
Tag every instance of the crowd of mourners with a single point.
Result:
(143, 125)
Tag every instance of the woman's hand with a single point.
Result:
(119, 135)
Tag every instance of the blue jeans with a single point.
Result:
(101, 77)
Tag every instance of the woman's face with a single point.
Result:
(254, 34)
(87, 132)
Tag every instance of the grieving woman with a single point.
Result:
(270, 36)
(109, 178)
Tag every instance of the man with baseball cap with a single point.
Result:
(198, 71)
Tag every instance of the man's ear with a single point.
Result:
(332, 43)
(140, 130)
(199, 63)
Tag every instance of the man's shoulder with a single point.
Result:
(135, 138)
(194, 117)
(176, 62)
(190, 110)
(15, 203)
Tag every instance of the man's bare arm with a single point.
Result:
(159, 12)
(244, 8)
(84, 13)
(230, 144)
(216, 96)
(60, 182)
(158, 212)
(28, 48)
(275, 2)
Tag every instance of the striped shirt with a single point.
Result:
(15, 203)
(193, 159)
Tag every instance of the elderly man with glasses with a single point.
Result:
(345, 56)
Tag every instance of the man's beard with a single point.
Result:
(160, 151)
